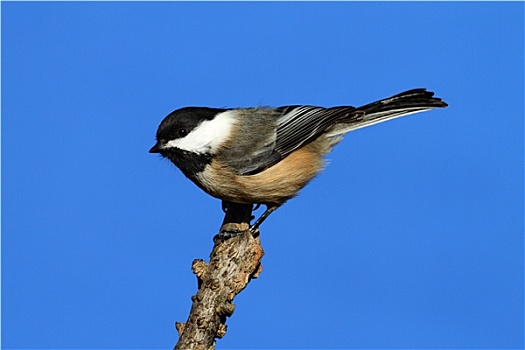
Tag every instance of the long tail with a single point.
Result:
(405, 103)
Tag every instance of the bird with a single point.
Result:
(265, 155)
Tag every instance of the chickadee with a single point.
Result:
(266, 155)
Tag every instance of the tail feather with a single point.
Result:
(405, 103)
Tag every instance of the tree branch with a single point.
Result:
(233, 263)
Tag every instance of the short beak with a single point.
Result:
(155, 149)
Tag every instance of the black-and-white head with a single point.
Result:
(189, 136)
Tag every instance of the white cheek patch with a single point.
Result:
(208, 136)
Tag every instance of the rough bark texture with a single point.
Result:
(233, 263)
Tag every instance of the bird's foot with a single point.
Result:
(227, 233)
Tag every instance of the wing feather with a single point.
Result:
(282, 130)
(296, 126)
(304, 124)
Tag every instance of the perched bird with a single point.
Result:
(266, 155)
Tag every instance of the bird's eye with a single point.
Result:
(182, 132)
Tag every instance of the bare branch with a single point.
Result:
(233, 263)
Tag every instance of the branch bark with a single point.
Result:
(233, 263)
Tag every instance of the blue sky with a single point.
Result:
(411, 238)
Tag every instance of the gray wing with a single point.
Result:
(291, 127)
(282, 130)
(300, 125)
(254, 144)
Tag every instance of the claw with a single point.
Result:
(227, 234)
(263, 217)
